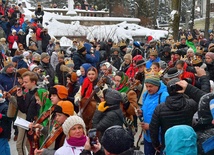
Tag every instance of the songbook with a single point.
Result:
(22, 123)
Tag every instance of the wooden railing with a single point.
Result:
(79, 12)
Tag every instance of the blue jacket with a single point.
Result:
(150, 102)
(22, 64)
(181, 140)
(7, 80)
(86, 66)
(93, 60)
(149, 62)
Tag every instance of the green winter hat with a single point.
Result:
(153, 79)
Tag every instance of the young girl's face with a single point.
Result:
(155, 68)
(38, 101)
(91, 75)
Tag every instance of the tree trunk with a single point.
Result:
(176, 5)
(193, 16)
(207, 20)
(155, 13)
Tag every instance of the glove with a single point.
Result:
(101, 106)
(96, 89)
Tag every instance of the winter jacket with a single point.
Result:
(48, 70)
(54, 60)
(22, 39)
(78, 59)
(22, 64)
(177, 110)
(62, 79)
(86, 66)
(16, 28)
(210, 69)
(7, 80)
(45, 40)
(5, 122)
(67, 149)
(38, 32)
(131, 71)
(191, 45)
(181, 140)
(50, 48)
(149, 62)
(204, 114)
(150, 102)
(93, 59)
(11, 38)
(103, 120)
(28, 105)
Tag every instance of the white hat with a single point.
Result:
(190, 50)
(32, 67)
(13, 30)
(70, 122)
(26, 53)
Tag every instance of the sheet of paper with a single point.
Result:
(22, 123)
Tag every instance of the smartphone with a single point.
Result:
(92, 134)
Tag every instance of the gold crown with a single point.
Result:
(152, 74)
(211, 47)
(170, 37)
(68, 61)
(196, 61)
(174, 48)
(61, 55)
(74, 40)
(183, 37)
(80, 45)
(177, 44)
(199, 50)
(153, 52)
(189, 37)
(114, 45)
(8, 61)
(122, 43)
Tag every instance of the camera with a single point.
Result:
(175, 87)
(92, 134)
(41, 70)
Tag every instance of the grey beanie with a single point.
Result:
(112, 97)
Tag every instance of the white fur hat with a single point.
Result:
(26, 53)
(32, 67)
(70, 122)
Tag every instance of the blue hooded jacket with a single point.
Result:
(150, 102)
(86, 66)
(149, 62)
(93, 60)
(180, 140)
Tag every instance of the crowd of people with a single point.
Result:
(111, 88)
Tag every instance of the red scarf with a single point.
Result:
(87, 88)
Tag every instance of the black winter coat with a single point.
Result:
(176, 110)
(45, 41)
(103, 120)
(78, 60)
(210, 69)
(48, 70)
(28, 105)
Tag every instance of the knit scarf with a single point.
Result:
(77, 141)
(87, 88)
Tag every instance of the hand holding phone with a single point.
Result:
(92, 134)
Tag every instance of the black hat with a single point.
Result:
(166, 49)
(110, 40)
(171, 86)
(112, 97)
(116, 140)
(179, 52)
(140, 63)
(172, 73)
